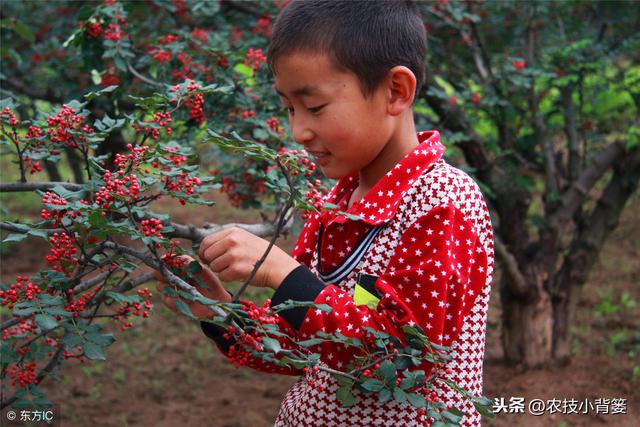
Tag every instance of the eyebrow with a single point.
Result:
(305, 90)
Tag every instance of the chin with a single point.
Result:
(332, 173)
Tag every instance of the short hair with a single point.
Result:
(366, 37)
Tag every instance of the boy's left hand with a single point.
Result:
(233, 253)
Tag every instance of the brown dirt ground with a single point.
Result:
(164, 372)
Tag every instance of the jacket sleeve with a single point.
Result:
(234, 350)
(432, 280)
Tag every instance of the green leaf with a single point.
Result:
(483, 405)
(97, 220)
(384, 395)
(388, 371)
(184, 308)
(399, 395)
(345, 396)
(243, 70)
(125, 298)
(311, 342)
(416, 400)
(103, 340)
(271, 344)
(57, 311)
(93, 351)
(13, 237)
(24, 309)
(46, 321)
(372, 384)
(24, 31)
(71, 340)
(194, 268)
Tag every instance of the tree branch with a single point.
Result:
(518, 283)
(15, 187)
(574, 196)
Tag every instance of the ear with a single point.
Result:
(401, 89)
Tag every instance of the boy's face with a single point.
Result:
(330, 116)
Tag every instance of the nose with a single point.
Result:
(300, 130)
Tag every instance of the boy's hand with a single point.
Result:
(232, 253)
(214, 290)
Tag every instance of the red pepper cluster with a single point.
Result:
(162, 119)
(77, 306)
(19, 291)
(151, 227)
(62, 123)
(254, 59)
(135, 156)
(23, 375)
(53, 199)
(315, 196)
(195, 104)
(61, 256)
(263, 27)
(114, 32)
(292, 156)
(117, 184)
(93, 29)
(8, 117)
(135, 309)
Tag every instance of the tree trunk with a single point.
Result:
(526, 327)
(585, 248)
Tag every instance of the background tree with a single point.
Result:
(541, 99)
(539, 106)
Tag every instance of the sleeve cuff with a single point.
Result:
(300, 285)
(215, 333)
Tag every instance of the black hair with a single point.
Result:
(367, 37)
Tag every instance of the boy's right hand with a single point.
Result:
(213, 290)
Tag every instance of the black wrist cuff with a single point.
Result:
(299, 285)
(216, 333)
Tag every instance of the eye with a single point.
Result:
(290, 110)
(315, 110)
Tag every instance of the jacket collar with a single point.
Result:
(381, 203)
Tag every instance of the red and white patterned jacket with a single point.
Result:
(425, 238)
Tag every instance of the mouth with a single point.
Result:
(321, 157)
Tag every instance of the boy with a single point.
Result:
(348, 73)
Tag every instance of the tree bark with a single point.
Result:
(526, 327)
(586, 247)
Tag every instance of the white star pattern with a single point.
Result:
(433, 216)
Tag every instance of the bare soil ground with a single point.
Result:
(164, 372)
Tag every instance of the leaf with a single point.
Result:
(399, 395)
(345, 396)
(71, 340)
(483, 407)
(330, 206)
(194, 267)
(97, 220)
(372, 384)
(93, 351)
(24, 310)
(13, 237)
(271, 344)
(24, 31)
(57, 311)
(46, 321)
(244, 70)
(184, 308)
(384, 395)
(416, 400)
(103, 340)
(388, 371)
(311, 342)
